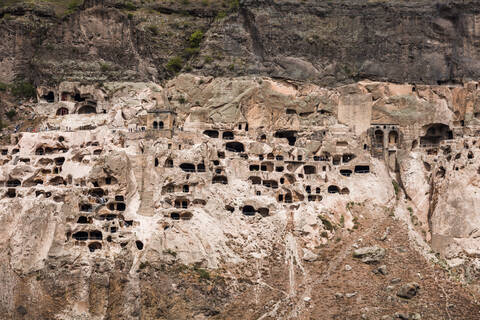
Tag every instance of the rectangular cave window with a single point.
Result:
(362, 169)
(187, 167)
(201, 167)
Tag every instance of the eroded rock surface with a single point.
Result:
(327, 42)
(126, 200)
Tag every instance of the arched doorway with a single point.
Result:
(392, 138)
(87, 110)
(62, 111)
(379, 138)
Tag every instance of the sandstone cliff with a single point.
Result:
(239, 160)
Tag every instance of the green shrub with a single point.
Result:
(105, 67)
(234, 5)
(130, 6)
(153, 29)
(73, 6)
(196, 38)
(175, 64)
(3, 86)
(130, 16)
(221, 15)
(207, 59)
(204, 274)
(23, 89)
(11, 114)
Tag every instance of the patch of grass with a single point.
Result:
(175, 64)
(195, 39)
(342, 221)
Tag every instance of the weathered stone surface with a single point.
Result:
(408, 290)
(369, 254)
(238, 197)
(324, 42)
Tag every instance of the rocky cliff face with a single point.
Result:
(324, 42)
(239, 160)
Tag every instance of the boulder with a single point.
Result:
(369, 254)
(408, 290)
(309, 256)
